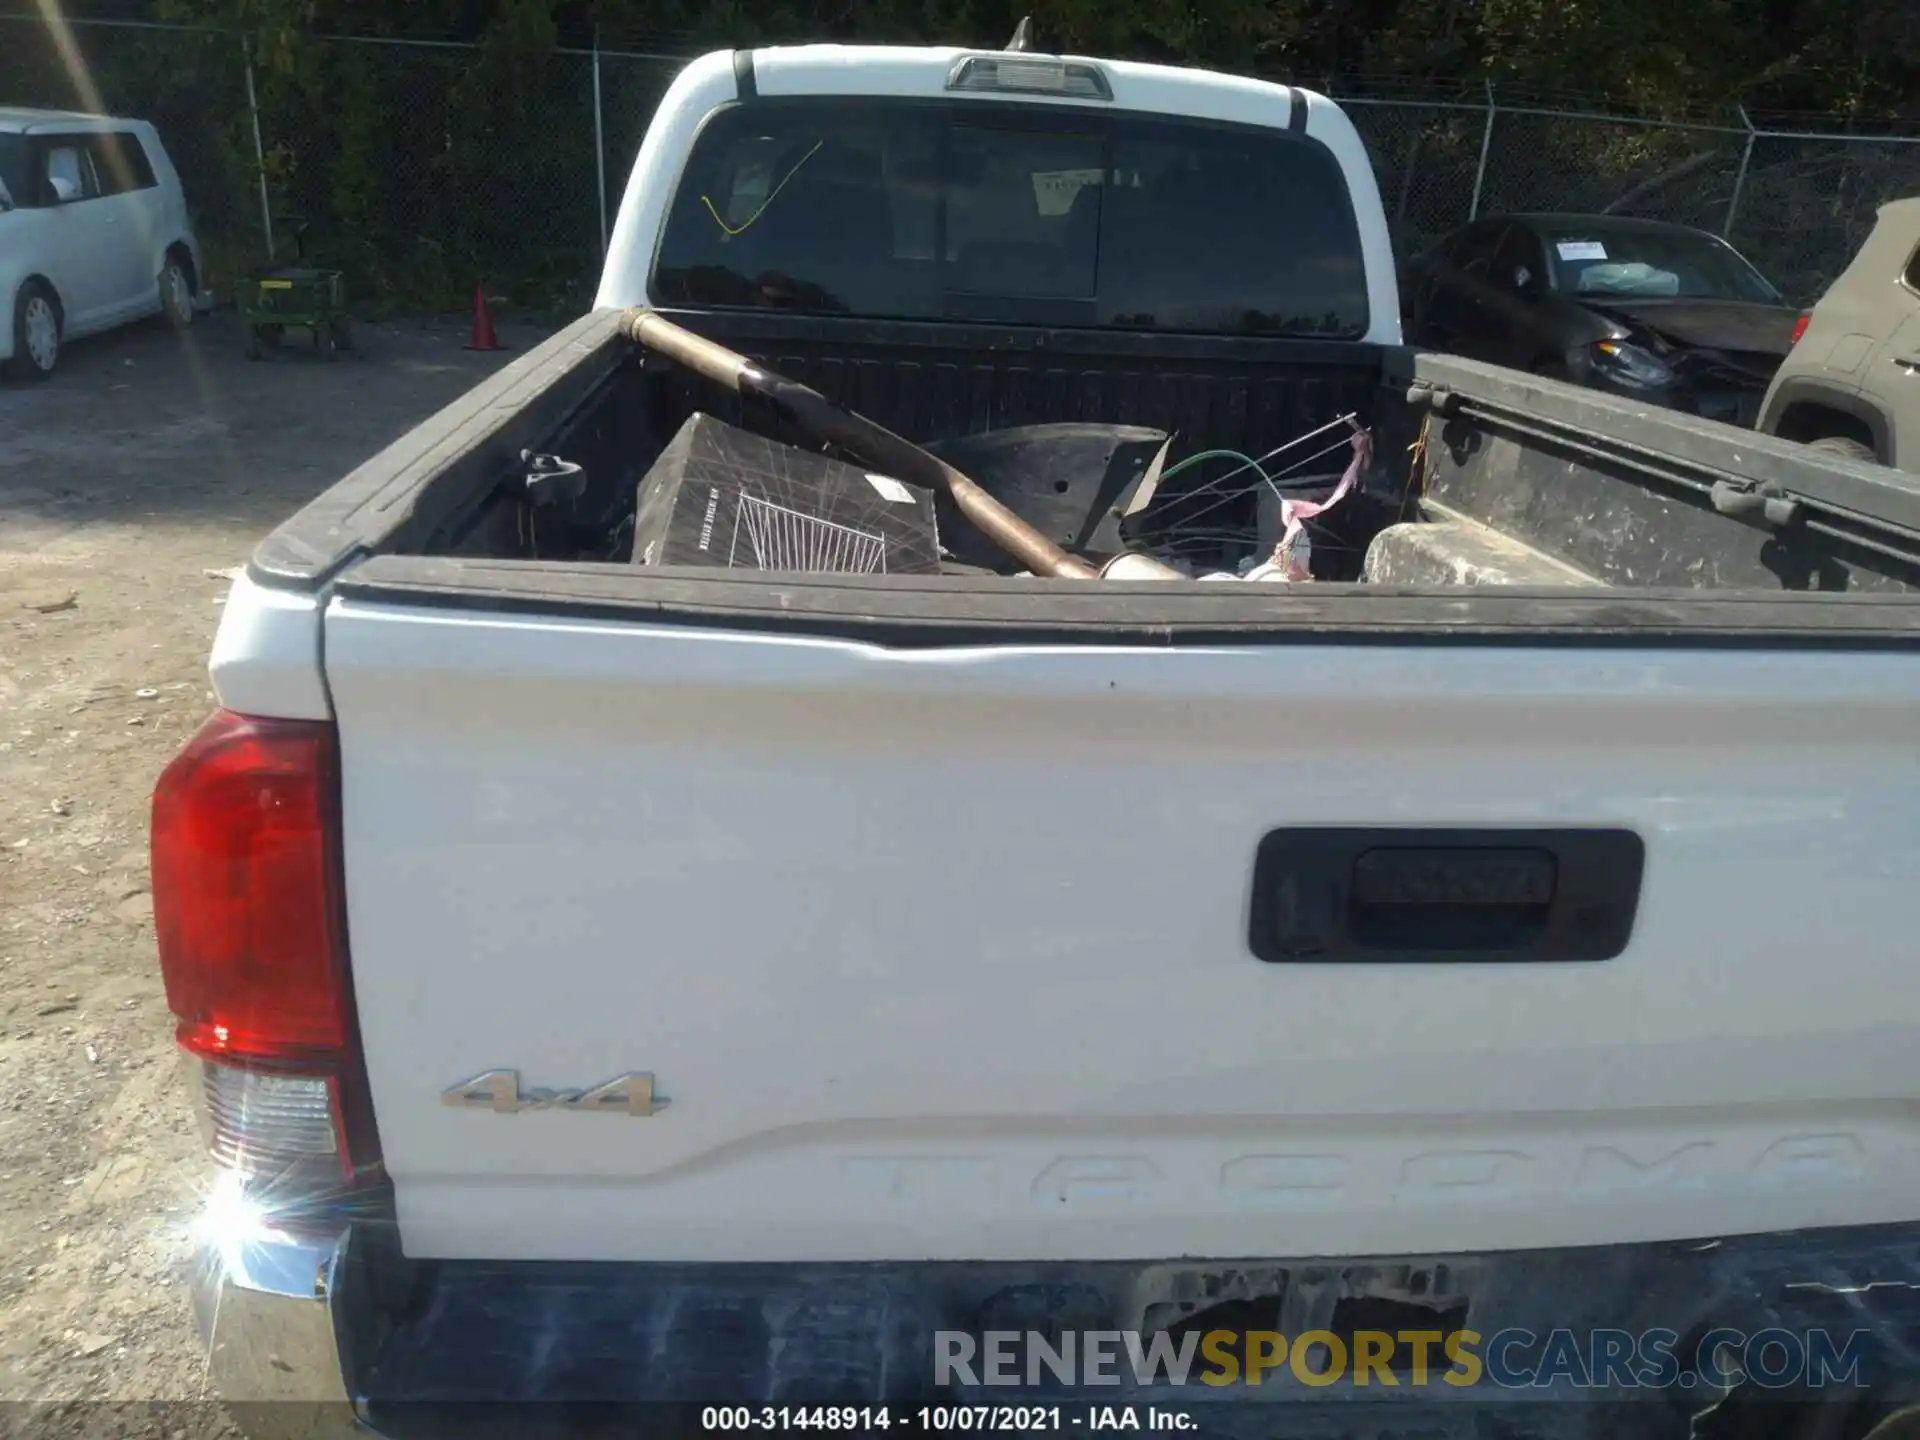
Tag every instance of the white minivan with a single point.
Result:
(93, 233)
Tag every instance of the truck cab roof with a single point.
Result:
(935, 71)
(924, 75)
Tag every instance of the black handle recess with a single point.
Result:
(1374, 894)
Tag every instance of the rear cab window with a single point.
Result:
(915, 210)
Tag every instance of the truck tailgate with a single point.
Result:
(944, 953)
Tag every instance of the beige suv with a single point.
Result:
(1851, 383)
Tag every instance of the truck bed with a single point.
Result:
(1573, 488)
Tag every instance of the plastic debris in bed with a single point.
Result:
(1251, 523)
(1072, 482)
(722, 496)
(1289, 560)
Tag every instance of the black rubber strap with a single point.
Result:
(743, 74)
(1296, 117)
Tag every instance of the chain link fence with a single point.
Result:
(425, 169)
(1797, 205)
(191, 84)
(1810, 200)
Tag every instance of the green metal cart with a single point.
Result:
(295, 296)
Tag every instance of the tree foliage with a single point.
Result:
(425, 169)
(1852, 60)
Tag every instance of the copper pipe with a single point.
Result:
(696, 352)
(871, 444)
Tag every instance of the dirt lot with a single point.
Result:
(129, 486)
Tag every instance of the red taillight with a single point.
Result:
(245, 903)
(249, 914)
(1800, 325)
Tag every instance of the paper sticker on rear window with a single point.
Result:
(1581, 250)
(891, 489)
(1054, 191)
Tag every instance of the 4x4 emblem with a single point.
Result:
(500, 1092)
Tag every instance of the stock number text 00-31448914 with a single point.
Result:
(860, 1419)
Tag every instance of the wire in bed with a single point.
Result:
(1192, 460)
(1341, 444)
(1256, 465)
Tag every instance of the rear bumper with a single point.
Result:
(263, 1302)
(317, 1336)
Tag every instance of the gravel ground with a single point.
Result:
(131, 485)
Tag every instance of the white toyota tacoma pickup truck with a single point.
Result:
(640, 940)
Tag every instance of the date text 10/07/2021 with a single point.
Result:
(935, 1419)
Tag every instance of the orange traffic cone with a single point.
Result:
(483, 336)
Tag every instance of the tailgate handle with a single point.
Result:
(1359, 894)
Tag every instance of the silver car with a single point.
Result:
(1851, 383)
(93, 233)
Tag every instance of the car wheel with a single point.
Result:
(176, 295)
(36, 333)
(1843, 445)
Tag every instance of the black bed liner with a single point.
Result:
(923, 381)
(441, 465)
(1571, 472)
